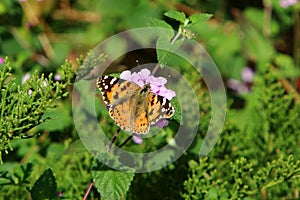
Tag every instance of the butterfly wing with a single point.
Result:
(120, 114)
(115, 89)
(158, 108)
(116, 94)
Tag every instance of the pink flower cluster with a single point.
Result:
(287, 3)
(143, 77)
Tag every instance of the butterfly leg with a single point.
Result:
(113, 139)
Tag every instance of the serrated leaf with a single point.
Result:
(179, 16)
(45, 187)
(197, 18)
(111, 184)
(166, 30)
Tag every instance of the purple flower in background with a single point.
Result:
(137, 139)
(59, 194)
(243, 86)
(57, 77)
(1, 60)
(287, 3)
(162, 123)
(143, 77)
(247, 75)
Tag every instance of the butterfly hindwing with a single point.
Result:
(119, 113)
(158, 108)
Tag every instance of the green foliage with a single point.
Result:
(233, 170)
(23, 105)
(205, 180)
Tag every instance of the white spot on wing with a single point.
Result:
(113, 80)
(164, 101)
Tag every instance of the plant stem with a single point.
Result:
(113, 140)
(88, 190)
(267, 18)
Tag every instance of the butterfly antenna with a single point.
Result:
(113, 139)
(125, 141)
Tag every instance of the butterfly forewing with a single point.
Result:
(114, 89)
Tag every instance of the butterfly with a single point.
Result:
(133, 108)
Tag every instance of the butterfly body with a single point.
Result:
(133, 108)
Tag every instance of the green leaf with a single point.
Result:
(177, 115)
(166, 31)
(111, 184)
(179, 16)
(197, 18)
(45, 187)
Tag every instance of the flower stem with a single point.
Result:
(88, 190)
(113, 139)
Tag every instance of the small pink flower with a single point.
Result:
(45, 83)
(137, 139)
(30, 92)
(162, 123)
(57, 77)
(1, 60)
(243, 86)
(59, 194)
(287, 3)
(26, 77)
(247, 75)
